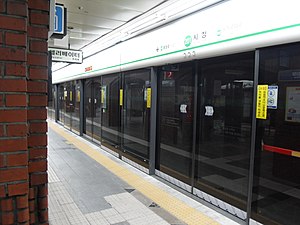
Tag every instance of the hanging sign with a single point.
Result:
(262, 102)
(60, 21)
(66, 55)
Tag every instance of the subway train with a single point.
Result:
(209, 101)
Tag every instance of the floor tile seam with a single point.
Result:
(176, 211)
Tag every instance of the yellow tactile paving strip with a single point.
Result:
(171, 204)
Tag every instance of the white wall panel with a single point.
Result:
(230, 27)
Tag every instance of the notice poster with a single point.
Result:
(121, 97)
(262, 102)
(103, 97)
(148, 98)
(292, 107)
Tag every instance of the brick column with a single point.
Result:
(23, 100)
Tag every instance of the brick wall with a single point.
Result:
(23, 100)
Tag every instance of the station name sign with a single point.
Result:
(66, 55)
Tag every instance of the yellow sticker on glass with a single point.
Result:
(262, 102)
(148, 98)
(121, 97)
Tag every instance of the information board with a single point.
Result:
(292, 108)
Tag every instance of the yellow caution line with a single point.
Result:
(296, 154)
(171, 204)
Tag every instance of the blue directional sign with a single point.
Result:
(59, 19)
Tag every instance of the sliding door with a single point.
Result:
(177, 85)
(276, 190)
(224, 127)
(136, 114)
(110, 101)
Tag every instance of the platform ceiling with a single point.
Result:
(90, 19)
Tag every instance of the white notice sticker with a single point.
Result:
(209, 111)
(183, 108)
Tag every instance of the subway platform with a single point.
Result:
(88, 186)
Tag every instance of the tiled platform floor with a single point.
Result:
(82, 191)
